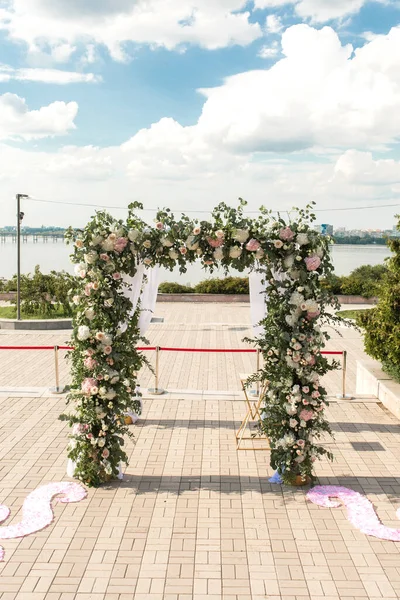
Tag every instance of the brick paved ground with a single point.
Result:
(194, 518)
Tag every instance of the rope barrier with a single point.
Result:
(158, 349)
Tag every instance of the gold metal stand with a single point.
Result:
(252, 414)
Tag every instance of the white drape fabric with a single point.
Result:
(148, 298)
(133, 293)
(258, 297)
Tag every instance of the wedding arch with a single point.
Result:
(293, 260)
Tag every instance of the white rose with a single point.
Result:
(235, 251)
(241, 235)
(91, 257)
(79, 268)
(108, 245)
(289, 261)
(259, 253)
(199, 251)
(166, 241)
(107, 339)
(79, 244)
(147, 244)
(133, 235)
(302, 239)
(101, 443)
(278, 243)
(293, 423)
(218, 254)
(89, 314)
(173, 254)
(83, 333)
(110, 395)
(96, 240)
(76, 300)
(219, 234)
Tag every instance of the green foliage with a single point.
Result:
(364, 281)
(382, 323)
(229, 285)
(44, 294)
(174, 288)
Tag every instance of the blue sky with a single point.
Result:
(261, 133)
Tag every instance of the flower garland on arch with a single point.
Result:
(293, 258)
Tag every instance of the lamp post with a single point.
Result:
(20, 216)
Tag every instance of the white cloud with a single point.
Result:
(361, 168)
(18, 122)
(44, 24)
(318, 11)
(269, 51)
(319, 94)
(273, 24)
(54, 76)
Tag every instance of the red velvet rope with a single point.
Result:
(222, 350)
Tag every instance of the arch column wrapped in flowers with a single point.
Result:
(292, 257)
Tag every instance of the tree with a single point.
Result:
(382, 323)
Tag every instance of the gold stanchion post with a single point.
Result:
(57, 389)
(156, 391)
(343, 395)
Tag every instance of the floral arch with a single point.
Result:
(293, 259)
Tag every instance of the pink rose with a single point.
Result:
(208, 262)
(301, 443)
(107, 349)
(110, 361)
(88, 289)
(100, 377)
(306, 415)
(313, 315)
(159, 226)
(253, 245)
(306, 389)
(215, 243)
(89, 352)
(105, 453)
(120, 244)
(313, 262)
(89, 436)
(315, 394)
(88, 384)
(183, 250)
(104, 257)
(286, 234)
(90, 363)
(116, 276)
(311, 360)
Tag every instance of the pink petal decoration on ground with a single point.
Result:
(37, 512)
(360, 510)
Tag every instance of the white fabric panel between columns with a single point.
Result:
(148, 298)
(258, 297)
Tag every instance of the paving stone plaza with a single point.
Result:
(194, 518)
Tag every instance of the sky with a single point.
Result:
(187, 103)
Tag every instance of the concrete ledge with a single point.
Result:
(371, 380)
(356, 300)
(36, 324)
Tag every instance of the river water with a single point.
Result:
(55, 256)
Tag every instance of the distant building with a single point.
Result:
(326, 229)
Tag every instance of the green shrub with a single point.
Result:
(382, 323)
(174, 288)
(229, 285)
(364, 281)
(333, 284)
(44, 294)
